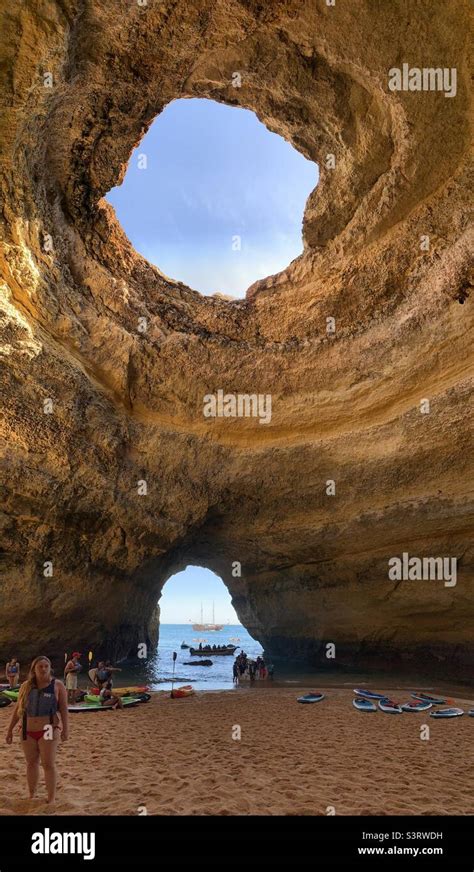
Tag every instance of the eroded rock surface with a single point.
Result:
(127, 405)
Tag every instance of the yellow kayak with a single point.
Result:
(122, 691)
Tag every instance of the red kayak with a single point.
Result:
(187, 690)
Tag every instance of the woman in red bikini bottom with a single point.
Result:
(40, 699)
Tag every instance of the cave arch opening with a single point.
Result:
(196, 609)
(213, 198)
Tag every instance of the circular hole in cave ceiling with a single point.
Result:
(213, 198)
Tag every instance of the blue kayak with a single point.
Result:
(447, 713)
(416, 706)
(434, 700)
(369, 694)
(311, 697)
(364, 705)
(389, 706)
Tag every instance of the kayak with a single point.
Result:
(7, 687)
(311, 697)
(389, 706)
(97, 707)
(447, 713)
(416, 706)
(369, 694)
(121, 691)
(11, 694)
(434, 700)
(4, 701)
(186, 690)
(364, 705)
(139, 697)
(471, 713)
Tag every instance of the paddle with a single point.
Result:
(172, 680)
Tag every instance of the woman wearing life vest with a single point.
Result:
(12, 672)
(40, 699)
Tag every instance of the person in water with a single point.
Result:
(40, 699)
(12, 672)
(71, 671)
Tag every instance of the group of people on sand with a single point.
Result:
(42, 712)
(245, 668)
(100, 676)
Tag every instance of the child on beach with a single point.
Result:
(40, 699)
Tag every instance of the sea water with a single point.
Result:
(157, 670)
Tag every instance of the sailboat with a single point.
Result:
(202, 627)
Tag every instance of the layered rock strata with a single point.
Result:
(97, 409)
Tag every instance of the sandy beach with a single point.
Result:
(178, 757)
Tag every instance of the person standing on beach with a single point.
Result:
(73, 667)
(12, 672)
(109, 669)
(40, 699)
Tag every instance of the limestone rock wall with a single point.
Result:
(127, 406)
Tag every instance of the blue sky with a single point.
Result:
(184, 592)
(214, 172)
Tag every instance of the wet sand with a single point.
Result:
(179, 757)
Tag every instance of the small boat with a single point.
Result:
(224, 650)
(180, 692)
(364, 705)
(183, 645)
